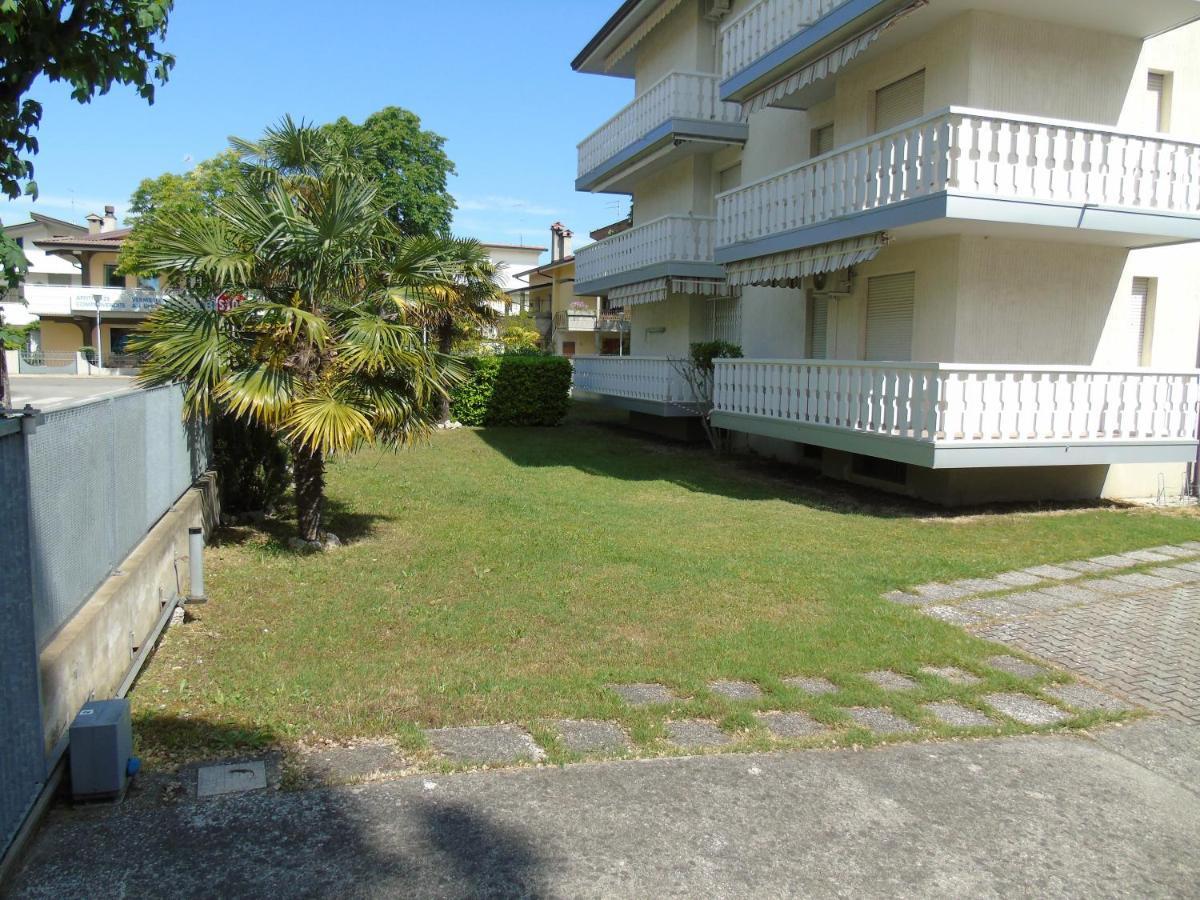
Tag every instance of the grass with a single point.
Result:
(506, 575)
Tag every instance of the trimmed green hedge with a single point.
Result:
(513, 390)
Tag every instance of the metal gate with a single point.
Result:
(44, 362)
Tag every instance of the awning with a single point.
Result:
(789, 268)
(658, 289)
(827, 65)
(639, 33)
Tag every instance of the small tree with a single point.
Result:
(520, 334)
(698, 371)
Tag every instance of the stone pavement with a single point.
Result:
(1129, 622)
(1112, 815)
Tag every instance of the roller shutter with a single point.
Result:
(890, 317)
(900, 102)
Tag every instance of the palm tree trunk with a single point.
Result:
(309, 468)
(445, 345)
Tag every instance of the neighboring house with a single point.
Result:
(99, 308)
(950, 237)
(44, 268)
(512, 259)
(571, 325)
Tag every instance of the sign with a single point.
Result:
(227, 302)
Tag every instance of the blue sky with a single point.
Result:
(493, 78)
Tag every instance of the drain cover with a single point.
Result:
(233, 778)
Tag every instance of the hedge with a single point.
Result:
(513, 390)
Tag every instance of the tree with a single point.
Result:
(407, 163)
(321, 350)
(171, 194)
(698, 371)
(519, 333)
(92, 44)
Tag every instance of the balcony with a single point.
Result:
(574, 320)
(638, 383)
(673, 246)
(786, 52)
(947, 416)
(678, 115)
(66, 300)
(1012, 172)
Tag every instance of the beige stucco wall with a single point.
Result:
(684, 42)
(683, 317)
(60, 337)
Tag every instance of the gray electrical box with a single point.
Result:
(101, 750)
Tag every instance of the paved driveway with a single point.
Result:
(1051, 816)
(55, 391)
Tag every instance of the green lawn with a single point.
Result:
(506, 575)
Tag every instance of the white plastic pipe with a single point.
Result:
(196, 564)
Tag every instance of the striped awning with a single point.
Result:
(789, 268)
(639, 33)
(658, 289)
(827, 65)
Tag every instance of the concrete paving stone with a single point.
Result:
(1019, 579)
(891, 681)
(1190, 566)
(1108, 586)
(1083, 697)
(952, 674)
(950, 713)
(1173, 551)
(1025, 709)
(1113, 561)
(790, 724)
(954, 615)
(906, 599)
(642, 694)
(485, 744)
(1087, 567)
(1142, 580)
(811, 684)
(1018, 667)
(1039, 601)
(1053, 573)
(997, 607)
(938, 591)
(231, 778)
(735, 690)
(880, 720)
(1175, 574)
(337, 765)
(1145, 556)
(696, 734)
(980, 585)
(1072, 593)
(1193, 546)
(591, 736)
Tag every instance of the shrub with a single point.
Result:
(252, 466)
(704, 353)
(513, 389)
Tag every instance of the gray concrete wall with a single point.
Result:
(91, 655)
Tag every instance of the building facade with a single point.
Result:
(953, 238)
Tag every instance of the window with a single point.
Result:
(1138, 323)
(118, 338)
(900, 102)
(890, 317)
(822, 139)
(111, 278)
(568, 348)
(818, 328)
(1157, 106)
(148, 283)
(59, 279)
(21, 242)
(725, 320)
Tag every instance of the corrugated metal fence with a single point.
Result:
(78, 491)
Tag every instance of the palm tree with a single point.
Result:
(319, 345)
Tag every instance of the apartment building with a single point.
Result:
(953, 238)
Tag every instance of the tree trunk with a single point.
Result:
(445, 345)
(5, 390)
(309, 470)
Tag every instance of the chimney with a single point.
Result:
(110, 219)
(560, 242)
(95, 223)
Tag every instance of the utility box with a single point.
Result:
(101, 750)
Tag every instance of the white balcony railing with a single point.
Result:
(966, 405)
(62, 300)
(575, 320)
(680, 95)
(653, 379)
(669, 239)
(971, 153)
(766, 25)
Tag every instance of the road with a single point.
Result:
(45, 392)
(1111, 814)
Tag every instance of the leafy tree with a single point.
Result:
(322, 351)
(171, 194)
(407, 163)
(91, 44)
(520, 333)
(698, 371)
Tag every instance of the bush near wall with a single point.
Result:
(513, 389)
(253, 469)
